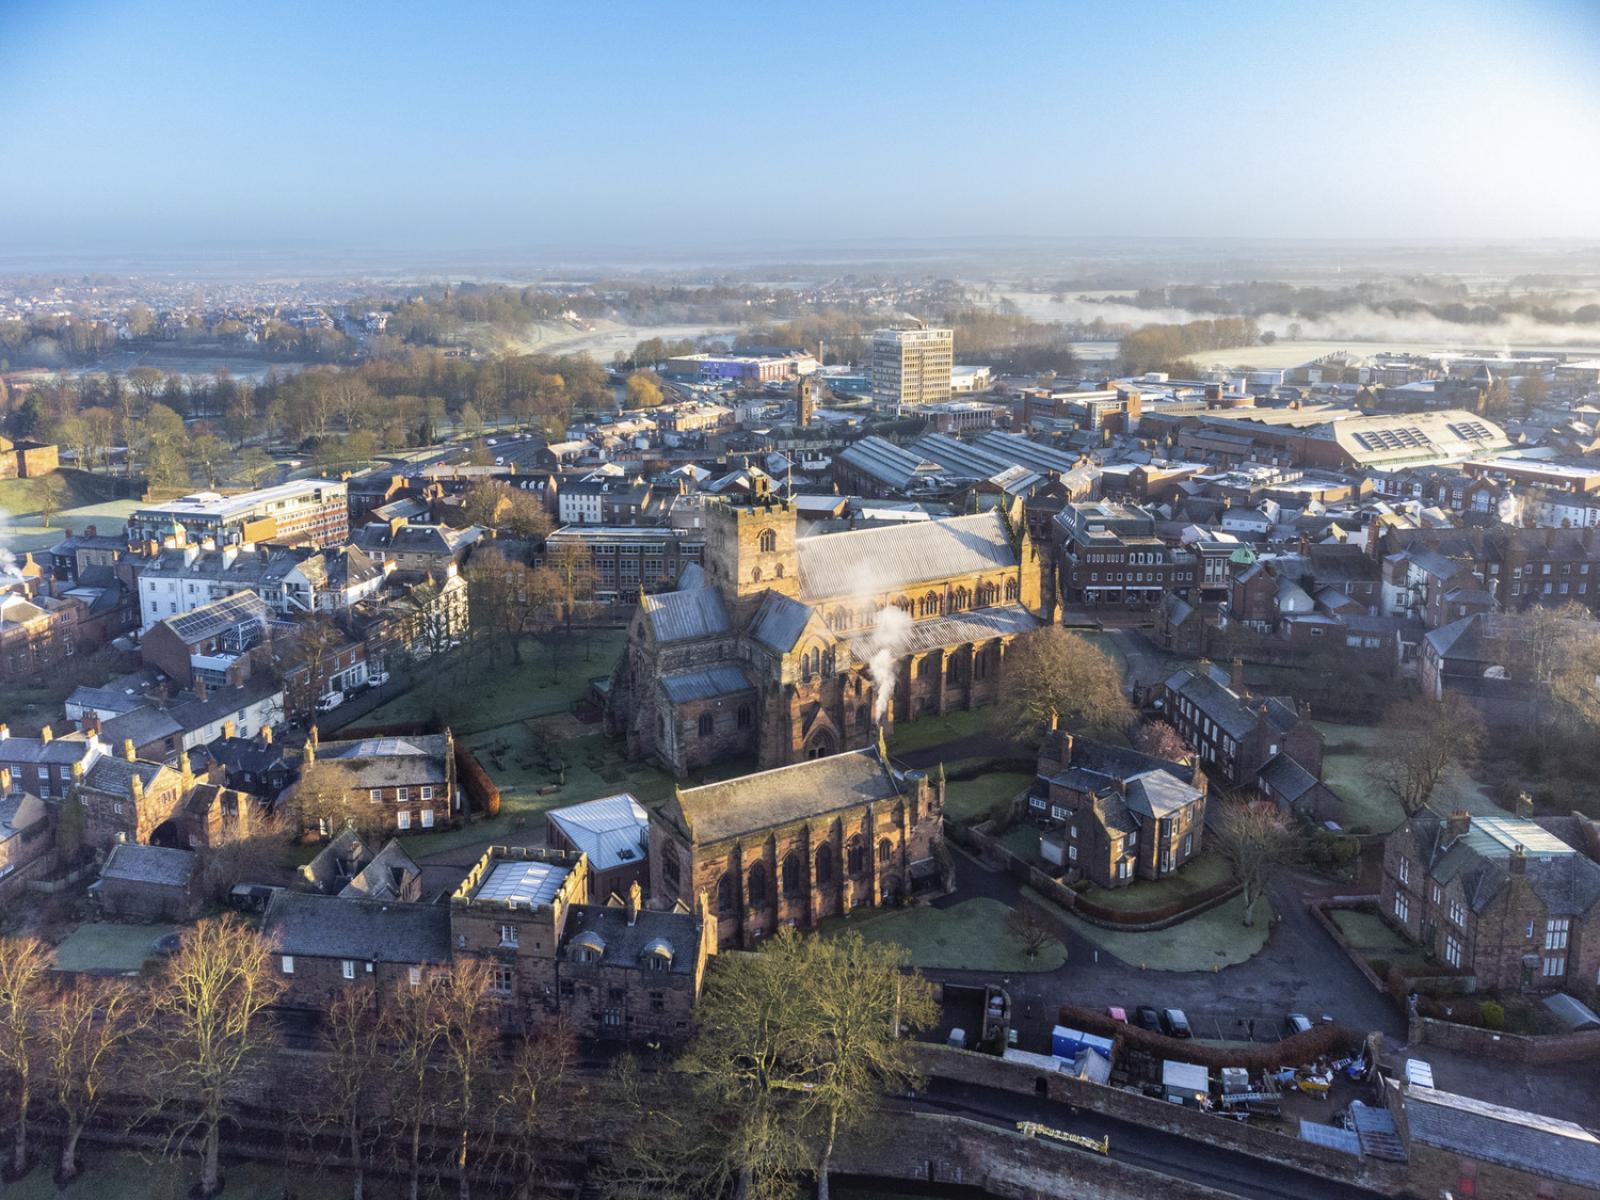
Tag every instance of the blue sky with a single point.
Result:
(580, 125)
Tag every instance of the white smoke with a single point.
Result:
(1512, 508)
(890, 631)
(8, 560)
(1359, 323)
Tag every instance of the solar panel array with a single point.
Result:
(1472, 431)
(1399, 437)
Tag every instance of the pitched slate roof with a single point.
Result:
(1286, 777)
(793, 793)
(1565, 880)
(391, 761)
(872, 561)
(624, 945)
(133, 863)
(300, 923)
(1525, 1141)
(684, 615)
(613, 831)
(1158, 794)
(384, 878)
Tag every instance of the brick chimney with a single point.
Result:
(5, 781)
(5, 732)
(199, 687)
(127, 749)
(136, 789)
(1518, 863)
(46, 735)
(266, 735)
(1524, 807)
(1457, 824)
(1237, 678)
(228, 730)
(634, 899)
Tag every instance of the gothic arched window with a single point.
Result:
(767, 542)
(885, 852)
(855, 858)
(791, 875)
(824, 865)
(756, 892)
(725, 893)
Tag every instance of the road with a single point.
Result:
(1136, 1145)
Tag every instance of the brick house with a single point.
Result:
(45, 765)
(126, 799)
(323, 944)
(614, 971)
(1236, 735)
(797, 844)
(38, 633)
(25, 839)
(1506, 899)
(413, 777)
(1118, 815)
(215, 638)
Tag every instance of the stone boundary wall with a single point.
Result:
(1319, 914)
(1541, 1050)
(953, 1150)
(967, 1066)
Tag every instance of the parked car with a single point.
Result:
(1146, 1017)
(1174, 1023)
(377, 678)
(1295, 1023)
(167, 943)
(330, 702)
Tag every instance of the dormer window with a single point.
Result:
(588, 947)
(658, 955)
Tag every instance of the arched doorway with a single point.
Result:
(821, 744)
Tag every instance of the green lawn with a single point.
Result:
(102, 946)
(120, 1175)
(931, 731)
(1374, 937)
(1022, 839)
(973, 799)
(1217, 938)
(1208, 870)
(514, 692)
(1346, 768)
(19, 514)
(969, 936)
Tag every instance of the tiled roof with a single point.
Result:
(384, 878)
(1287, 778)
(777, 797)
(1158, 794)
(626, 945)
(299, 923)
(873, 561)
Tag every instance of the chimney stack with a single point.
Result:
(266, 735)
(1238, 675)
(1458, 823)
(228, 730)
(634, 897)
(5, 732)
(45, 735)
(1524, 806)
(199, 687)
(5, 781)
(1518, 864)
(136, 789)
(127, 749)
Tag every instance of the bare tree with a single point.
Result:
(1422, 739)
(1055, 670)
(412, 1029)
(256, 846)
(1256, 841)
(354, 1077)
(534, 1097)
(88, 1031)
(1025, 925)
(328, 798)
(469, 1013)
(23, 966)
(1161, 740)
(208, 1008)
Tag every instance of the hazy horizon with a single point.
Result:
(414, 133)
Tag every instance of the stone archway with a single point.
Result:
(821, 744)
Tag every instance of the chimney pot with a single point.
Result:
(1518, 864)
(1460, 821)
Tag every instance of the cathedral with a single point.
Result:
(786, 648)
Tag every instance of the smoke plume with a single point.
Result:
(890, 632)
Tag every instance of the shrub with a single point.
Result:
(1379, 967)
(1492, 1014)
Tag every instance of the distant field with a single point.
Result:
(601, 339)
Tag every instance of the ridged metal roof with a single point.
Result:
(870, 562)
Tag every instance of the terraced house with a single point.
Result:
(413, 777)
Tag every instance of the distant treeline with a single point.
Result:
(1445, 300)
(1162, 347)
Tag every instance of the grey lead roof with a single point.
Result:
(873, 561)
(780, 621)
(725, 680)
(976, 626)
(685, 615)
(625, 945)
